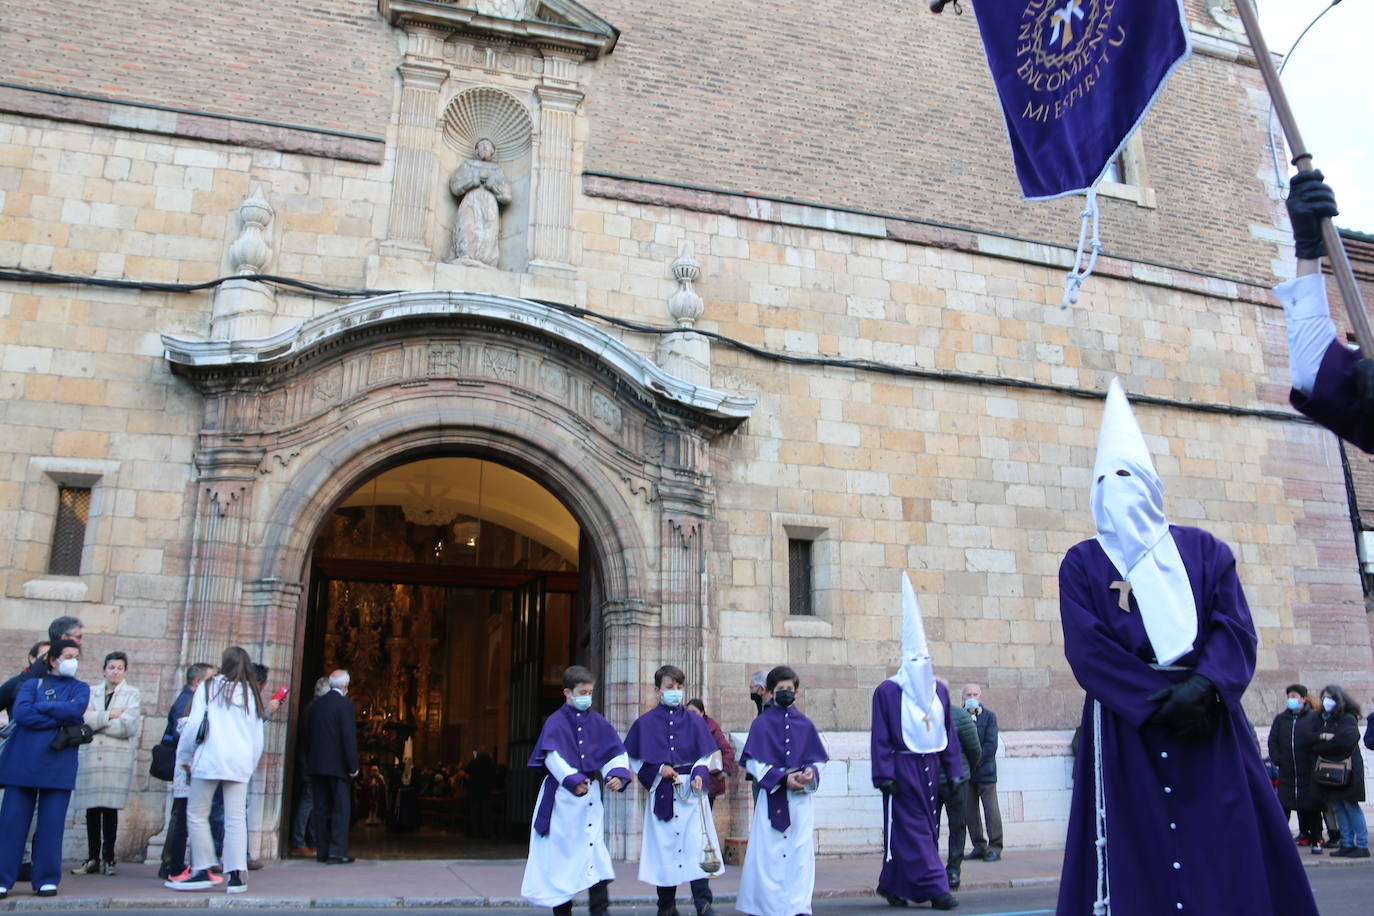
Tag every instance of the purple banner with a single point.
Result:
(1075, 77)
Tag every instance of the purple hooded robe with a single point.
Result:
(912, 868)
(1335, 401)
(1191, 826)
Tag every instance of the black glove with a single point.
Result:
(885, 786)
(1190, 709)
(1309, 200)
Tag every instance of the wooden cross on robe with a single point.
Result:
(1124, 600)
(926, 720)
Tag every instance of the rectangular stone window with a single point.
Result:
(1127, 178)
(69, 531)
(801, 589)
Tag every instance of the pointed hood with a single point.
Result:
(1128, 509)
(923, 715)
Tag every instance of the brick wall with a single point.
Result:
(323, 64)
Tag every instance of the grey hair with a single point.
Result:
(321, 686)
(339, 679)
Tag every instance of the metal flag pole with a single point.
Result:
(1335, 249)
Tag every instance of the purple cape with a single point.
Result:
(672, 735)
(586, 741)
(912, 868)
(1192, 826)
(1335, 401)
(784, 739)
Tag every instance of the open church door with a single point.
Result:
(528, 603)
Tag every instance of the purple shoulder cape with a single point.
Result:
(1334, 401)
(586, 741)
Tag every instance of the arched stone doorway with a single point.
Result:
(450, 588)
(294, 423)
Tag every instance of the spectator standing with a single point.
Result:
(174, 848)
(1291, 737)
(983, 785)
(955, 793)
(759, 693)
(479, 776)
(1338, 738)
(302, 825)
(331, 736)
(723, 761)
(107, 763)
(220, 745)
(10, 689)
(38, 776)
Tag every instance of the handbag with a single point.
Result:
(203, 731)
(1332, 774)
(67, 735)
(163, 765)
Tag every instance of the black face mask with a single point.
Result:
(785, 698)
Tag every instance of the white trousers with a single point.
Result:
(235, 826)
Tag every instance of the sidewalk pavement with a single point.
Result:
(301, 884)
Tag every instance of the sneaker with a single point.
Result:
(47, 890)
(254, 864)
(4, 892)
(108, 868)
(237, 883)
(189, 881)
(1304, 841)
(1357, 852)
(89, 867)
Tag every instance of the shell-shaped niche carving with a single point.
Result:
(491, 114)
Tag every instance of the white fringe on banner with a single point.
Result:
(1076, 276)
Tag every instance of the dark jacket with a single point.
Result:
(180, 709)
(986, 720)
(331, 737)
(1290, 749)
(10, 689)
(720, 778)
(1344, 743)
(26, 758)
(967, 733)
(1369, 732)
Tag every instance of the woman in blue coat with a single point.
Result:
(35, 775)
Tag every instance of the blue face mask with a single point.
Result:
(972, 703)
(1294, 704)
(672, 698)
(582, 704)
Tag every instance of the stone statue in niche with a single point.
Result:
(482, 188)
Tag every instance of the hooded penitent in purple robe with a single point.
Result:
(912, 868)
(1191, 826)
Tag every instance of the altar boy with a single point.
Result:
(670, 749)
(783, 754)
(577, 749)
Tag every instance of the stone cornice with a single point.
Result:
(591, 37)
(249, 357)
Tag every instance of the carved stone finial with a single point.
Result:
(508, 9)
(685, 305)
(249, 253)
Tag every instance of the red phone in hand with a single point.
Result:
(281, 693)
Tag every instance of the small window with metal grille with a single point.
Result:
(800, 578)
(69, 531)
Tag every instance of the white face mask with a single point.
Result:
(582, 704)
(672, 698)
(67, 667)
(1328, 704)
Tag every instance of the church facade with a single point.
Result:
(501, 337)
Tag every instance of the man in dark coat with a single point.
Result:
(10, 689)
(982, 788)
(1290, 750)
(954, 792)
(331, 762)
(1159, 635)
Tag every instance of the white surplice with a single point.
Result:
(779, 872)
(573, 856)
(670, 853)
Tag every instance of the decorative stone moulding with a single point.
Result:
(213, 357)
(489, 114)
(550, 25)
